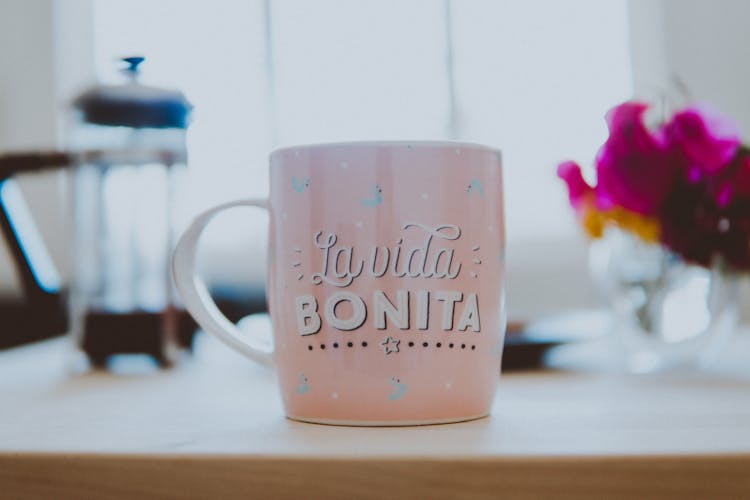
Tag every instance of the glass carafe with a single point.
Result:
(130, 147)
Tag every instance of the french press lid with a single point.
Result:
(133, 104)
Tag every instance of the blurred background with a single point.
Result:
(533, 78)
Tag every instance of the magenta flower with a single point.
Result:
(707, 139)
(634, 167)
(691, 176)
(578, 188)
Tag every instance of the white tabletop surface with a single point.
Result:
(219, 403)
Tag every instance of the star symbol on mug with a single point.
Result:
(390, 344)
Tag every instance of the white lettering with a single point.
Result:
(340, 266)
(423, 309)
(308, 319)
(448, 298)
(470, 316)
(359, 311)
(399, 316)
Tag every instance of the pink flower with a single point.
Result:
(578, 189)
(706, 138)
(634, 167)
(690, 177)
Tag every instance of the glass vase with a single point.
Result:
(667, 313)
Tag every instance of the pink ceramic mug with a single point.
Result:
(385, 281)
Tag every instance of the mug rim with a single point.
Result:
(376, 143)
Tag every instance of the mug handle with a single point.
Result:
(195, 294)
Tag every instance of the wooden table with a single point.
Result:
(213, 428)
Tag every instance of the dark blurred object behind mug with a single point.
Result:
(127, 160)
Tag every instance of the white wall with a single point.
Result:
(27, 97)
(702, 44)
(708, 48)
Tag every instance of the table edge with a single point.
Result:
(73, 475)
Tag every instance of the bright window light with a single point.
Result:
(533, 78)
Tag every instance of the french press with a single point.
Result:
(130, 142)
(127, 161)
